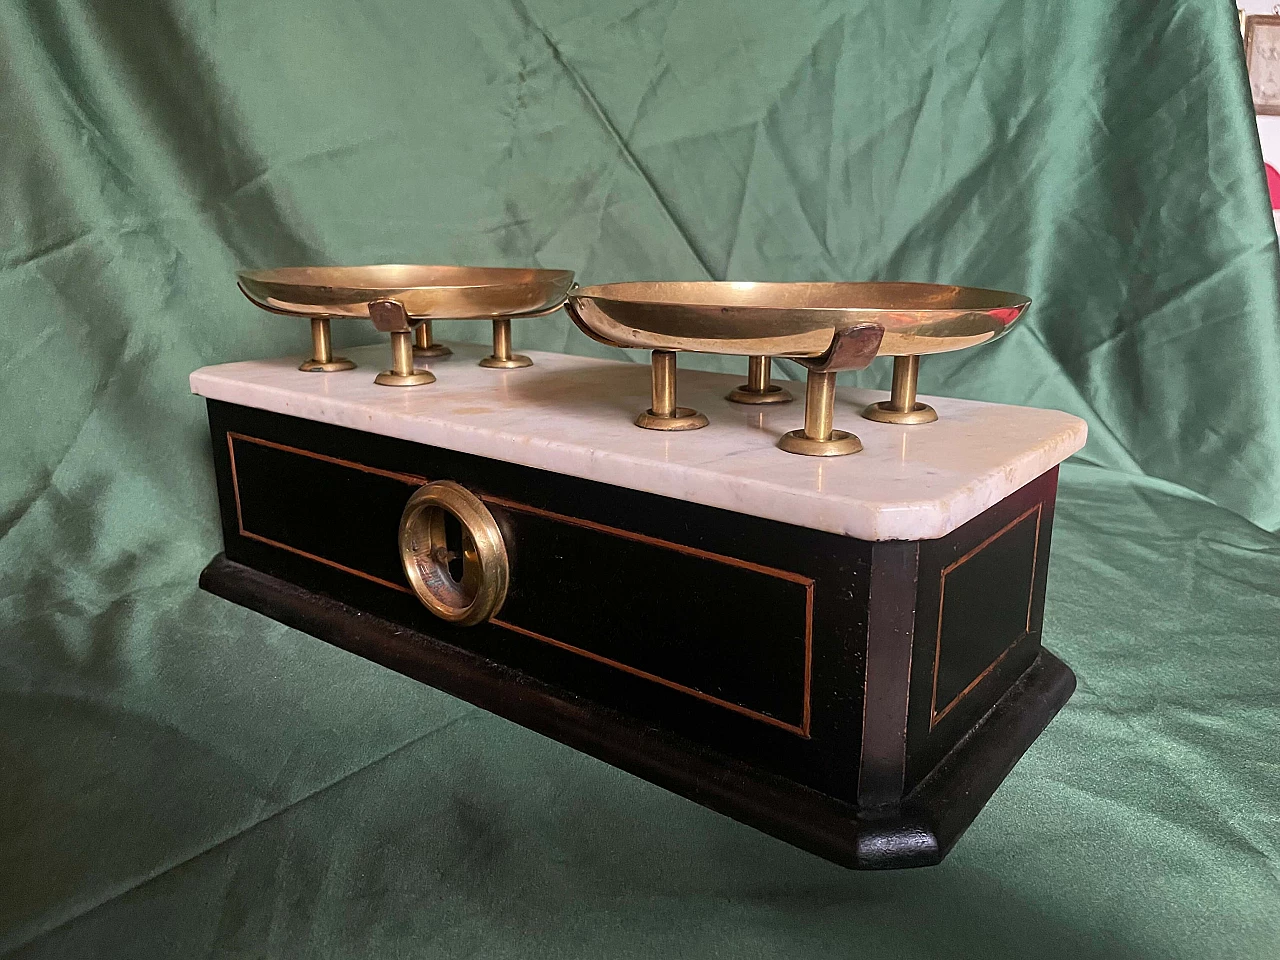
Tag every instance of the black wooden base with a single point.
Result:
(918, 831)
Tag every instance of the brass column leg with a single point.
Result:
(758, 389)
(502, 358)
(901, 407)
(424, 346)
(819, 438)
(665, 414)
(402, 373)
(663, 364)
(322, 358)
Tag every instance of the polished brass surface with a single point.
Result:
(819, 405)
(419, 378)
(425, 346)
(502, 358)
(322, 358)
(425, 554)
(663, 367)
(791, 319)
(402, 373)
(758, 389)
(759, 372)
(852, 349)
(426, 292)
(819, 438)
(906, 372)
(683, 418)
(332, 366)
(665, 413)
(838, 444)
(390, 315)
(902, 407)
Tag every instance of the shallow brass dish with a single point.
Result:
(402, 300)
(826, 326)
(792, 319)
(425, 292)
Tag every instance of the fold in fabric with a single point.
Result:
(181, 777)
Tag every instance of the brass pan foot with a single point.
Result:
(819, 438)
(513, 362)
(744, 394)
(682, 418)
(389, 378)
(502, 358)
(322, 358)
(885, 412)
(758, 389)
(838, 444)
(432, 351)
(424, 346)
(329, 366)
(901, 407)
(402, 373)
(664, 414)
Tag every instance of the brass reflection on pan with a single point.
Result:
(430, 292)
(828, 327)
(402, 300)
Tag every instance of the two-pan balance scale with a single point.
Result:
(823, 623)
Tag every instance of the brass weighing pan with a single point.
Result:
(826, 326)
(402, 300)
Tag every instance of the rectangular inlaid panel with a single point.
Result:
(984, 609)
(979, 612)
(331, 510)
(651, 627)
(345, 514)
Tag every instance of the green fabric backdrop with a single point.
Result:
(179, 777)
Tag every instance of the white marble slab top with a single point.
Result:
(572, 415)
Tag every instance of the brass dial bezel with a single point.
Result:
(423, 554)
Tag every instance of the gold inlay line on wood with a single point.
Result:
(412, 479)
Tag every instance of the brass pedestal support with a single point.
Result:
(819, 438)
(901, 407)
(402, 373)
(502, 358)
(665, 414)
(758, 389)
(322, 358)
(424, 346)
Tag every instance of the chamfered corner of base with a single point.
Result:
(896, 843)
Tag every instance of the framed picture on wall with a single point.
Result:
(1262, 55)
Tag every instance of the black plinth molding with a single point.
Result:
(859, 699)
(914, 833)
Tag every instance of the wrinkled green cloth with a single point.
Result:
(180, 777)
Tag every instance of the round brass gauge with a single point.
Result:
(453, 554)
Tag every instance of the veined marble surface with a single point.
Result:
(572, 415)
